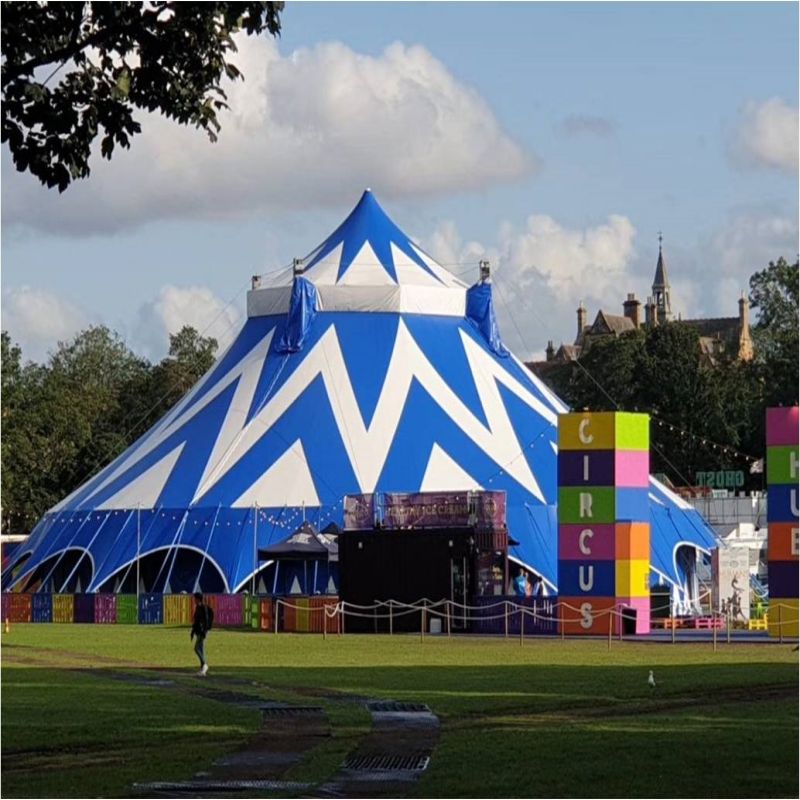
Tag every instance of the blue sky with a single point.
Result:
(555, 139)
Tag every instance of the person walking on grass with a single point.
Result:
(201, 625)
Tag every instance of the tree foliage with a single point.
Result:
(64, 420)
(74, 71)
(774, 297)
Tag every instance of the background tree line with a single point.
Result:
(705, 416)
(65, 419)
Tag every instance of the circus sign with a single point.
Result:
(427, 510)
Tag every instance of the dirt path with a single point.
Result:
(386, 762)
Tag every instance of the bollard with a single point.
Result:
(8, 626)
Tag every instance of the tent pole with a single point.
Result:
(197, 586)
(255, 546)
(138, 549)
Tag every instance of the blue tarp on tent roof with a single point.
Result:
(365, 374)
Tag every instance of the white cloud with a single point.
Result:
(38, 319)
(176, 306)
(311, 128)
(543, 270)
(767, 136)
(750, 239)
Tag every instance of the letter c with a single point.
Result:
(586, 438)
(585, 534)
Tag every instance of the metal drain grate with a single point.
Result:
(291, 711)
(221, 786)
(387, 763)
(392, 707)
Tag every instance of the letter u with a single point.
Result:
(584, 582)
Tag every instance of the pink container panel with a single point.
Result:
(782, 426)
(642, 607)
(582, 542)
(105, 608)
(632, 468)
(228, 609)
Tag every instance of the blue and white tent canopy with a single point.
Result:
(372, 369)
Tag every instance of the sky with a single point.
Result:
(554, 139)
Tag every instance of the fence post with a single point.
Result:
(672, 619)
(521, 626)
(277, 614)
(610, 625)
(780, 624)
(391, 617)
(620, 622)
(505, 617)
(728, 627)
(561, 619)
(422, 625)
(324, 623)
(714, 626)
(343, 620)
(447, 616)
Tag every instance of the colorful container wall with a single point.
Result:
(84, 608)
(41, 607)
(63, 608)
(105, 608)
(782, 520)
(151, 609)
(127, 609)
(603, 521)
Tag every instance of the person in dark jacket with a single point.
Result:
(201, 624)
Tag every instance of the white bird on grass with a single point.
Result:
(651, 681)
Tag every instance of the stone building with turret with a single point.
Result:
(720, 337)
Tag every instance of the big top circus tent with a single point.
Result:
(366, 367)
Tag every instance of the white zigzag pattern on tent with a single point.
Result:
(249, 368)
(368, 447)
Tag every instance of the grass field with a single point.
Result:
(552, 718)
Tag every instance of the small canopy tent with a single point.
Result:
(304, 563)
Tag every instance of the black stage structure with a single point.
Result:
(432, 547)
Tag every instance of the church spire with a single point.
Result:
(661, 287)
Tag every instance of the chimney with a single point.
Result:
(550, 353)
(744, 313)
(631, 309)
(650, 316)
(745, 342)
(581, 319)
